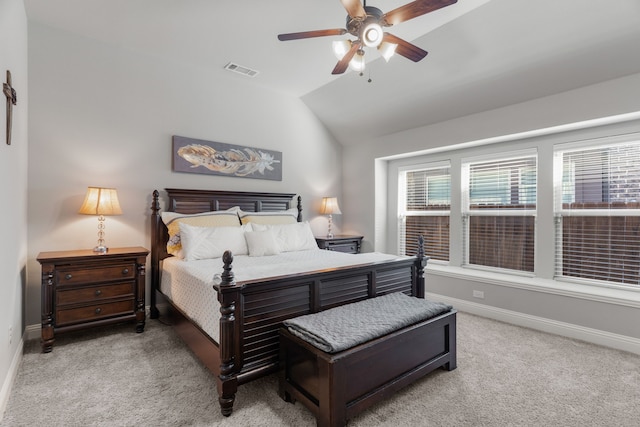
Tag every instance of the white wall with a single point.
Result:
(369, 211)
(13, 193)
(104, 116)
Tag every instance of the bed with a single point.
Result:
(249, 311)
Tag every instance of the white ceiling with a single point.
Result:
(483, 54)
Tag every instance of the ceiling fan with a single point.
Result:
(366, 23)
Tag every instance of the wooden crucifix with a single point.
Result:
(12, 99)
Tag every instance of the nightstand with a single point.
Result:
(341, 243)
(83, 289)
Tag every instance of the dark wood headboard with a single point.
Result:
(195, 201)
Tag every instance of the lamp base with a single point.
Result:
(329, 232)
(100, 249)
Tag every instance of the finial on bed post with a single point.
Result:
(154, 313)
(227, 381)
(299, 206)
(155, 205)
(421, 263)
(227, 274)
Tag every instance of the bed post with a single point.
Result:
(299, 206)
(420, 264)
(227, 381)
(155, 261)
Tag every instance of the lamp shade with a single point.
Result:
(358, 63)
(330, 206)
(340, 48)
(387, 50)
(100, 201)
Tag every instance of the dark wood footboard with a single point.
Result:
(252, 313)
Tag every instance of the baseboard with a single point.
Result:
(7, 385)
(32, 332)
(595, 336)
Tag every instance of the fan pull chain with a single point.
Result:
(369, 80)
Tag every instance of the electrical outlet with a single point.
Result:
(478, 294)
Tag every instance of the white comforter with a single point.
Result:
(189, 284)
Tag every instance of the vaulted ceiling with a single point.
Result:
(483, 54)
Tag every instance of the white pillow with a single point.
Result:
(288, 216)
(212, 242)
(173, 220)
(262, 243)
(291, 237)
(167, 216)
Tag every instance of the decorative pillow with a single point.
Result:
(172, 220)
(291, 237)
(211, 242)
(262, 243)
(278, 217)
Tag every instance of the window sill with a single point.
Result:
(624, 297)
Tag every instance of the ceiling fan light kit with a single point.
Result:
(369, 31)
(387, 50)
(366, 24)
(358, 63)
(372, 35)
(340, 48)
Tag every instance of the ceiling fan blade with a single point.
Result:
(310, 34)
(343, 64)
(354, 8)
(413, 10)
(406, 49)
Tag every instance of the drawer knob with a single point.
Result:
(98, 292)
(98, 310)
(68, 276)
(125, 271)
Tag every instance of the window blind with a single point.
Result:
(597, 208)
(499, 212)
(425, 211)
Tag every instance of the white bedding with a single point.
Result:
(189, 284)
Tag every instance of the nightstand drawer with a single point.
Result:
(73, 276)
(351, 248)
(94, 312)
(340, 243)
(94, 293)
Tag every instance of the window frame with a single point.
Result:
(560, 212)
(467, 211)
(403, 212)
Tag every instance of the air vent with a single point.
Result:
(240, 69)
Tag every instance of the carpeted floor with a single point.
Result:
(506, 376)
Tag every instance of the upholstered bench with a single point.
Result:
(341, 361)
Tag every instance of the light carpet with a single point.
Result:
(506, 376)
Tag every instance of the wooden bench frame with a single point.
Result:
(336, 387)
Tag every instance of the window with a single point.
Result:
(597, 210)
(424, 209)
(499, 211)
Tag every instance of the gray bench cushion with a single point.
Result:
(346, 326)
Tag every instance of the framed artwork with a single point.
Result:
(217, 158)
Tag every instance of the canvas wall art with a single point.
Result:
(217, 158)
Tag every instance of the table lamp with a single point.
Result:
(100, 201)
(330, 207)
